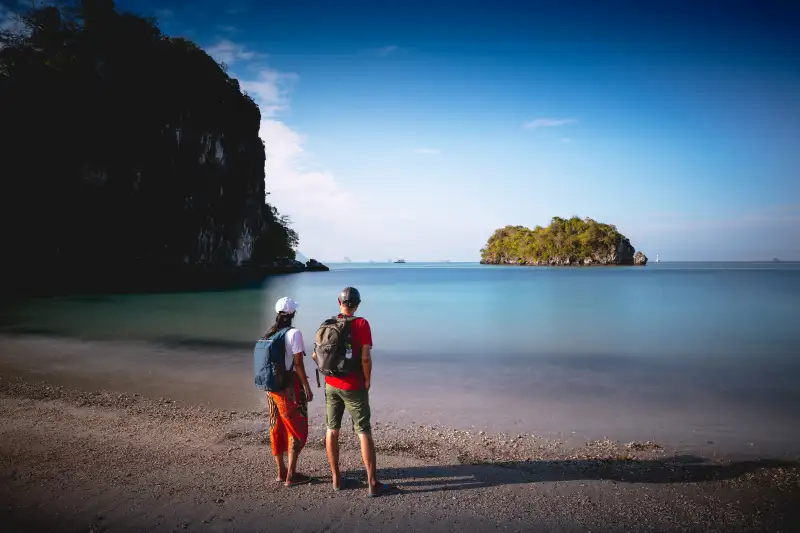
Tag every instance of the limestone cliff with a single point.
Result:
(127, 153)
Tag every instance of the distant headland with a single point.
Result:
(565, 242)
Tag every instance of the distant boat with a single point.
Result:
(400, 261)
(657, 259)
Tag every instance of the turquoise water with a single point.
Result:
(721, 339)
(677, 309)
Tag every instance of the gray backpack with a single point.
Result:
(332, 342)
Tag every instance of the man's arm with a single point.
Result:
(366, 364)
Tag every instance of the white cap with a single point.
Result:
(286, 305)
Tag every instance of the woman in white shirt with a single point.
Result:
(288, 409)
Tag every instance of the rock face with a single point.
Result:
(289, 266)
(133, 154)
(315, 266)
(566, 242)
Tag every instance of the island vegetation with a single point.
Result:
(565, 242)
(129, 157)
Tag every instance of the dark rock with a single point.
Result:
(315, 266)
(639, 259)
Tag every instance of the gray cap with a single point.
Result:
(350, 296)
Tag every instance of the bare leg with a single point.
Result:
(281, 467)
(332, 447)
(368, 455)
(293, 453)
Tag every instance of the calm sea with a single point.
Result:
(694, 352)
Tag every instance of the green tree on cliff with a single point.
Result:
(121, 144)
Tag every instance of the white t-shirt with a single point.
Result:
(294, 344)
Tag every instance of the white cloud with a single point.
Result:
(325, 210)
(548, 122)
(270, 89)
(303, 192)
(311, 197)
(427, 151)
(228, 52)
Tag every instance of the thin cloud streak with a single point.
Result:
(386, 50)
(548, 123)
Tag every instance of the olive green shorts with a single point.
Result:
(355, 401)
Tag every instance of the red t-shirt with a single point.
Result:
(361, 335)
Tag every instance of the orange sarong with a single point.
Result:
(288, 418)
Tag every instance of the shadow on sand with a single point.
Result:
(674, 469)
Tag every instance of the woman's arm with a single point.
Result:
(300, 369)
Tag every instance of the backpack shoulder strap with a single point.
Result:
(275, 335)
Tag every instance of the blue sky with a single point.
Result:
(414, 129)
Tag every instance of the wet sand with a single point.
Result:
(564, 397)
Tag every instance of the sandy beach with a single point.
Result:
(76, 460)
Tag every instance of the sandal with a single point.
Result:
(380, 489)
(342, 483)
(298, 479)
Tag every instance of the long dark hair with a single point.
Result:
(282, 320)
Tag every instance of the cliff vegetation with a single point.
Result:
(126, 154)
(565, 242)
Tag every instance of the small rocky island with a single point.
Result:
(565, 242)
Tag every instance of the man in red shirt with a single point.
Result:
(351, 392)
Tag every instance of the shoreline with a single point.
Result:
(119, 462)
(74, 280)
(571, 399)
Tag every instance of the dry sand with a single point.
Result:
(73, 460)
